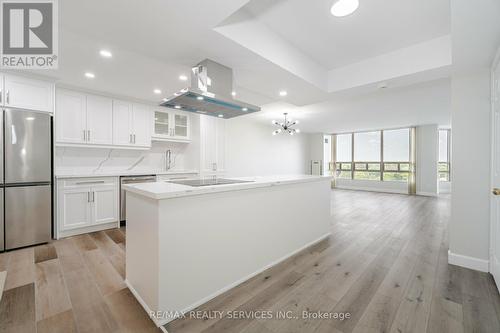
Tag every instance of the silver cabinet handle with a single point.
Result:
(88, 135)
(93, 196)
(130, 138)
(84, 135)
(7, 96)
(88, 196)
(133, 137)
(1, 95)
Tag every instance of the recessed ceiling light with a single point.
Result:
(177, 106)
(342, 8)
(157, 91)
(89, 75)
(183, 77)
(30, 118)
(200, 98)
(105, 54)
(283, 93)
(221, 116)
(244, 109)
(233, 93)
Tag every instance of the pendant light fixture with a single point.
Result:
(287, 126)
(341, 8)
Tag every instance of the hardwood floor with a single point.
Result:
(385, 264)
(71, 285)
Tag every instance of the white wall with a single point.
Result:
(475, 39)
(427, 160)
(252, 150)
(470, 206)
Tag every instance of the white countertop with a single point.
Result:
(165, 190)
(118, 173)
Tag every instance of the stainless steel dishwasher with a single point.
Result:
(124, 180)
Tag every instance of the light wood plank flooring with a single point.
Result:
(385, 264)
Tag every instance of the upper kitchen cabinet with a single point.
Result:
(99, 120)
(212, 133)
(71, 117)
(25, 93)
(83, 119)
(131, 124)
(172, 126)
(141, 125)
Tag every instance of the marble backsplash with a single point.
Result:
(71, 160)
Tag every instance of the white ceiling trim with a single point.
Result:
(252, 34)
(248, 31)
(429, 56)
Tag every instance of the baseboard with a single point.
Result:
(427, 194)
(468, 262)
(85, 230)
(204, 300)
(370, 189)
(143, 304)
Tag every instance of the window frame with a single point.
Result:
(448, 156)
(381, 170)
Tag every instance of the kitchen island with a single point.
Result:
(186, 244)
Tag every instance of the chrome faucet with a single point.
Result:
(168, 159)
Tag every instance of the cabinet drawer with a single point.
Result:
(176, 177)
(86, 182)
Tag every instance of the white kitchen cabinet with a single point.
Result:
(131, 124)
(83, 119)
(86, 205)
(104, 208)
(71, 117)
(142, 125)
(172, 126)
(26, 93)
(122, 123)
(99, 120)
(212, 133)
(74, 208)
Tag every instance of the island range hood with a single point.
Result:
(210, 93)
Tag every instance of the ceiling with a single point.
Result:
(320, 59)
(376, 28)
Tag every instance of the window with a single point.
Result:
(367, 155)
(444, 155)
(376, 155)
(396, 152)
(344, 156)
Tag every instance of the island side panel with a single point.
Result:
(142, 249)
(212, 242)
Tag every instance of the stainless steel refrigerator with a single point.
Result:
(25, 178)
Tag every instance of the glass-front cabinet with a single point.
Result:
(171, 126)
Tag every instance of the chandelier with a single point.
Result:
(286, 126)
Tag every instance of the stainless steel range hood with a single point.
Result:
(210, 93)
